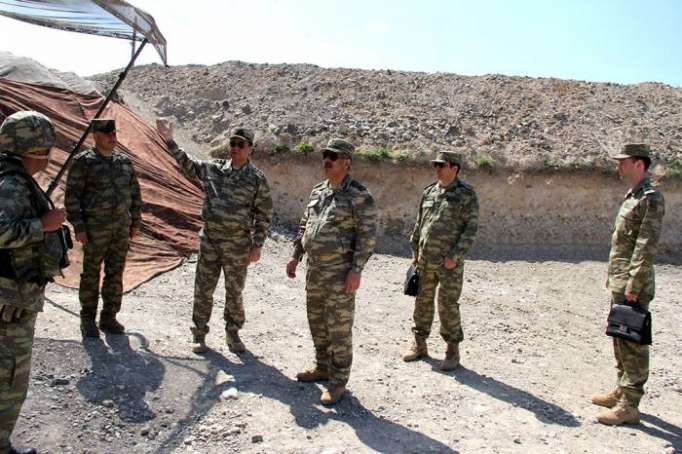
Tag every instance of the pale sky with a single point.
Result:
(624, 41)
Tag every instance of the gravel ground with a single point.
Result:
(534, 353)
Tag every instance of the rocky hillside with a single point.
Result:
(497, 121)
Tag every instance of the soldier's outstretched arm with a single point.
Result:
(466, 239)
(366, 231)
(191, 167)
(646, 243)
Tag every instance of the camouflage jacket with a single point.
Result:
(21, 236)
(446, 223)
(101, 190)
(634, 241)
(238, 201)
(338, 225)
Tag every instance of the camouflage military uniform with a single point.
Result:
(22, 278)
(633, 245)
(237, 213)
(446, 227)
(102, 199)
(338, 232)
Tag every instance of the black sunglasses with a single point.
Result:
(237, 144)
(331, 155)
(438, 165)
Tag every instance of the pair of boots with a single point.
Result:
(332, 394)
(107, 323)
(419, 350)
(621, 411)
(234, 343)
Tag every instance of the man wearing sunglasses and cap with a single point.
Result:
(28, 224)
(630, 280)
(103, 203)
(446, 226)
(237, 213)
(338, 232)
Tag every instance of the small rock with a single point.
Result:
(517, 440)
(108, 403)
(188, 440)
(59, 382)
(256, 439)
(144, 431)
(231, 393)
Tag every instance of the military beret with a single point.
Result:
(103, 125)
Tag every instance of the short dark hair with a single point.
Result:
(645, 160)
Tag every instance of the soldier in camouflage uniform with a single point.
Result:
(27, 224)
(446, 226)
(103, 204)
(636, 232)
(237, 213)
(338, 232)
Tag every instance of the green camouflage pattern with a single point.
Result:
(449, 284)
(632, 359)
(447, 222)
(243, 133)
(102, 190)
(337, 232)
(21, 237)
(237, 213)
(26, 132)
(102, 200)
(340, 146)
(232, 258)
(636, 232)
(16, 344)
(238, 201)
(448, 157)
(446, 227)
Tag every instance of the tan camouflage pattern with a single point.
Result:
(237, 213)
(102, 200)
(232, 257)
(634, 242)
(632, 359)
(446, 226)
(16, 344)
(338, 233)
(26, 132)
(22, 236)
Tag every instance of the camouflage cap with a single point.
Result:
(340, 146)
(448, 157)
(103, 125)
(25, 132)
(242, 133)
(634, 150)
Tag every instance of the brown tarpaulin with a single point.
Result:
(171, 202)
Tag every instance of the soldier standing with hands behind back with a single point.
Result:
(446, 226)
(28, 226)
(338, 232)
(103, 204)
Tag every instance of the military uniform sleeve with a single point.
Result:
(16, 231)
(466, 238)
(416, 232)
(262, 213)
(136, 202)
(298, 241)
(75, 185)
(191, 167)
(646, 243)
(366, 229)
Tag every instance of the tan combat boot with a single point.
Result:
(333, 394)
(608, 400)
(451, 361)
(199, 344)
(89, 328)
(417, 351)
(234, 343)
(311, 375)
(623, 413)
(109, 324)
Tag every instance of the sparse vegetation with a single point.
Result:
(304, 147)
(280, 148)
(483, 162)
(673, 168)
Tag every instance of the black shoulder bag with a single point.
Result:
(411, 286)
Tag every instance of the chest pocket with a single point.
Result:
(627, 221)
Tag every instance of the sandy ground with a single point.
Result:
(534, 353)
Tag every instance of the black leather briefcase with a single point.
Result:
(411, 287)
(631, 322)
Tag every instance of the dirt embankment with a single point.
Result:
(567, 215)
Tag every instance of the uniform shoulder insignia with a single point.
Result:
(426, 188)
(85, 154)
(319, 185)
(357, 185)
(466, 186)
(650, 191)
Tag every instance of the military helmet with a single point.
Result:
(25, 132)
